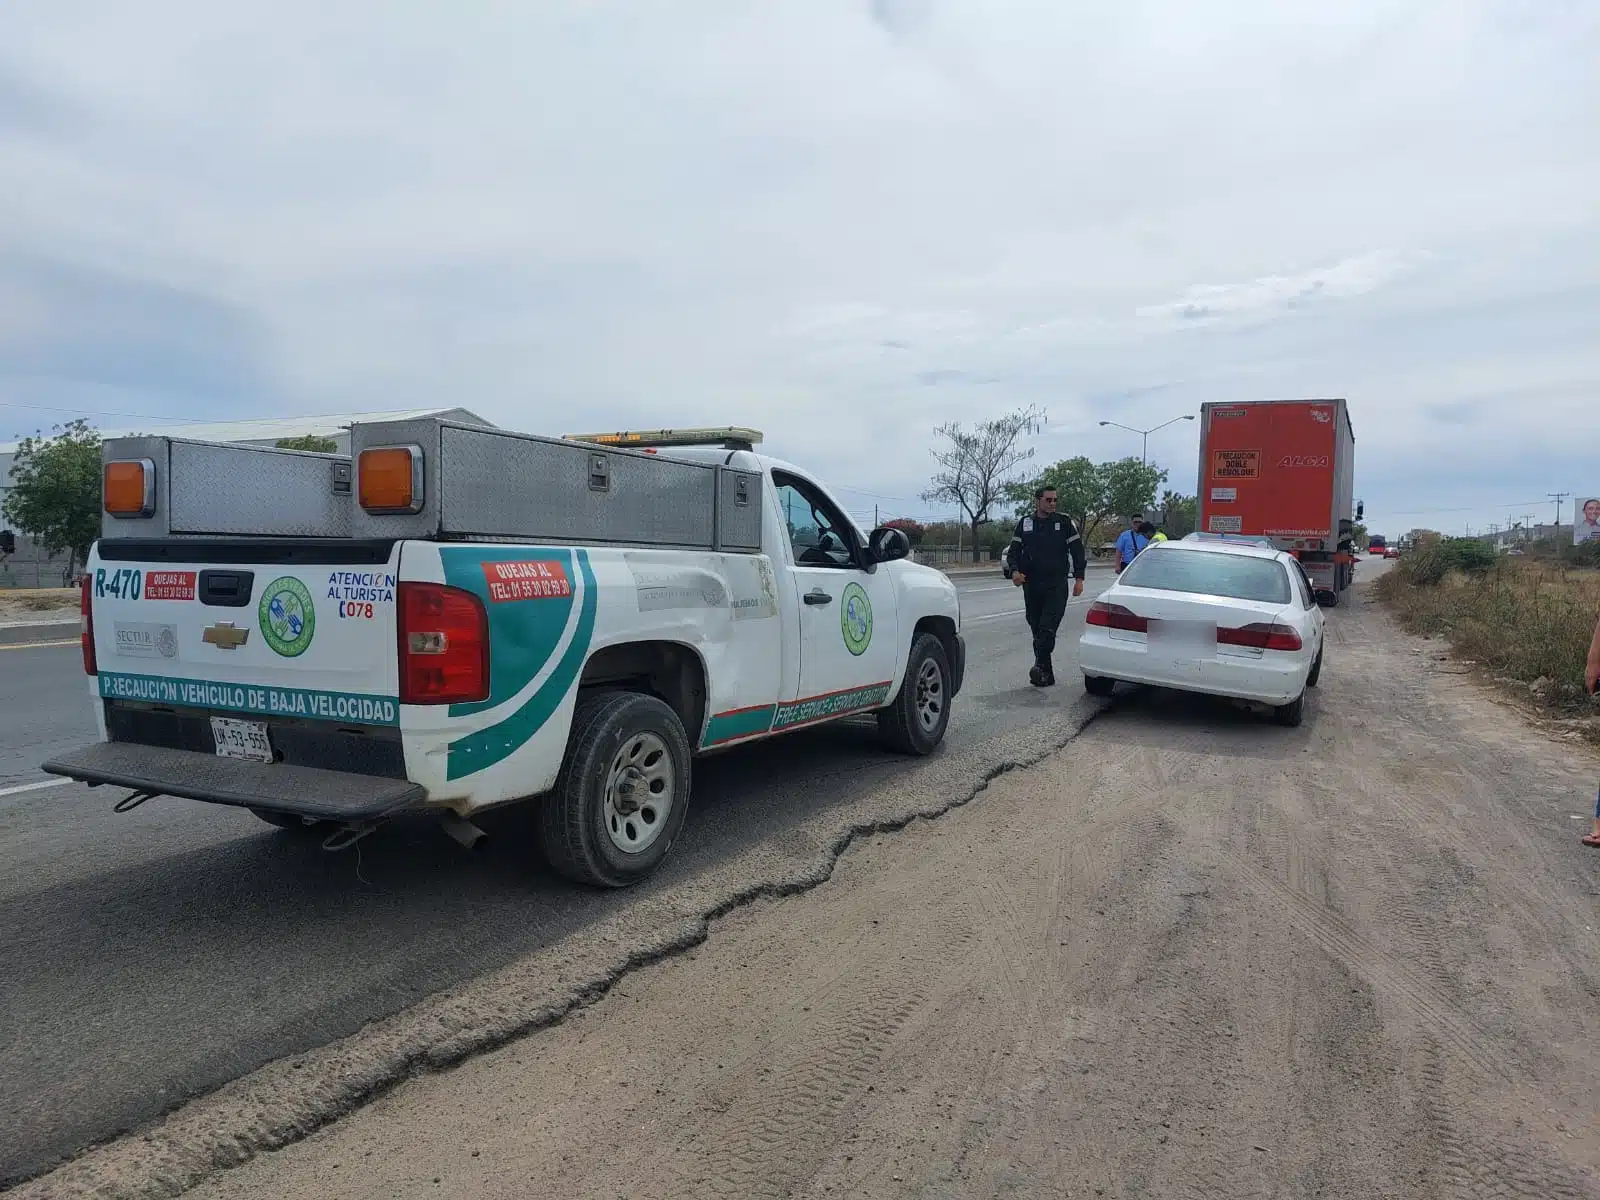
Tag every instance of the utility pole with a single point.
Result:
(1558, 497)
(1527, 527)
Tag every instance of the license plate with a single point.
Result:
(241, 739)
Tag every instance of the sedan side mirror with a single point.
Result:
(886, 544)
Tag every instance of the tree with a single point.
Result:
(914, 530)
(977, 468)
(1090, 493)
(55, 490)
(311, 441)
(1131, 486)
(1183, 514)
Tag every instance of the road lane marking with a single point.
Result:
(34, 787)
(38, 645)
(1016, 612)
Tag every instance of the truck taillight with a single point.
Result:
(1261, 636)
(1115, 616)
(444, 645)
(86, 629)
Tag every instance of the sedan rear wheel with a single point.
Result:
(1316, 670)
(1291, 714)
(1098, 685)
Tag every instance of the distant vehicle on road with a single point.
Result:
(1214, 616)
(1284, 469)
(1377, 545)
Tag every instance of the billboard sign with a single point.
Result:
(1586, 521)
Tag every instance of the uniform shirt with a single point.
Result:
(1129, 544)
(1043, 547)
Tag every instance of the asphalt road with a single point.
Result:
(154, 956)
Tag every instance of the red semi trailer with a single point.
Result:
(1284, 470)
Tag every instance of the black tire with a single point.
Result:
(924, 693)
(1291, 714)
(289, 821)
(574, 828)
(1316, 669)
(1098, 685)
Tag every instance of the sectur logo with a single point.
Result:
(855, 619)
(288, 620)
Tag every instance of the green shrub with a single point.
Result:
(1522, 619)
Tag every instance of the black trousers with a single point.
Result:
(1045, 605)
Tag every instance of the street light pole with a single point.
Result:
(1144, 434)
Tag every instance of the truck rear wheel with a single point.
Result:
(623, 791)
(916, 721)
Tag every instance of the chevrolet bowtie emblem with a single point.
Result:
(225, 635)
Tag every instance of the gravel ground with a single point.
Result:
(1192, 954)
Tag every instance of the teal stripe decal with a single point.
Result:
(523, 634)
(478, 751)
(835, 704)
(746, 722)
(255, 699)
(775, 718)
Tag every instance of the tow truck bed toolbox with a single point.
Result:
(304, 791)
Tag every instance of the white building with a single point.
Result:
(31, 567)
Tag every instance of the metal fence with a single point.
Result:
(951, 556)
(31, 567)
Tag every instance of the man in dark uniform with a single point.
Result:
(1044, 545)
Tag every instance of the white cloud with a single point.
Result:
(840, 220)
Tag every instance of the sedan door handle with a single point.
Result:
(817, 597)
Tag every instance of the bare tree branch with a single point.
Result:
(977, 466)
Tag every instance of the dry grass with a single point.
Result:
(1524, 621)
(24, 602)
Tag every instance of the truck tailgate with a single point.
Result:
(278, 653)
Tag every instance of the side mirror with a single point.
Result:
(886, 544)
(8, 542)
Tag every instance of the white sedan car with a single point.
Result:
(1220, 616)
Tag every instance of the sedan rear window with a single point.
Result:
(1236, 576)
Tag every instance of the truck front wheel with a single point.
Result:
(623, 791)
(916, 721)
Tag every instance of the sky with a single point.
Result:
(842, 222)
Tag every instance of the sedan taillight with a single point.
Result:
(1263, 635)
(1114, 616)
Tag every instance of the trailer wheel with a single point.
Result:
(623, 791)
(915, 722)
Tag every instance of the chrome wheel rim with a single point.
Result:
(930, 696)
(639, 793)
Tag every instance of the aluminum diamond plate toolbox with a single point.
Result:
(211, 489)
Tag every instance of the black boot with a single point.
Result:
(1047, 675)
(1036, 675)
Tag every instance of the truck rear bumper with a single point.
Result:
(303, 791)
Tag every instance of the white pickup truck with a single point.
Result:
(454, 617)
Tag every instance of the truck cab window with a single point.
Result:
(819, 535)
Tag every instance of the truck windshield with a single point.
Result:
(1207, 573)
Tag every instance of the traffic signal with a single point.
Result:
(8, 542)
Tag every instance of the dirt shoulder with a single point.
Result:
(1191, 955)
(33, 604)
